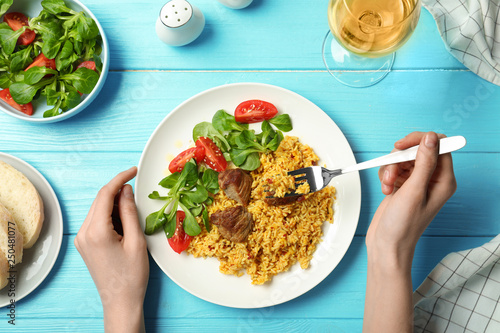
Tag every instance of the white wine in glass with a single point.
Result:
(364, 34)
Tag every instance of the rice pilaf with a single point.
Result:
(282, 235)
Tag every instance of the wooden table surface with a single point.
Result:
(275, 42)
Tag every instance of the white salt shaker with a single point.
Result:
(235, 4)
(179, 23)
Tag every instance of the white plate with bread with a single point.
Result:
(31, 229)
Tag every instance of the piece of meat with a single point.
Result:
(283, 201)
(234, 223)
(237, 184)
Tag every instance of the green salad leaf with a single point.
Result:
(35, 74)
(282, 122)
(23, 92)
(83, 79)
(156, 220)
(223, 121)
(4, 6)
(21, 59)
(56, 7)
(8, 37)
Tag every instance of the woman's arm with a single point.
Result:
(117, 263)
(415, 192)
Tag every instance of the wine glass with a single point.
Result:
(359, 49)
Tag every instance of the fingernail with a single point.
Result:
(127, 192)
(430, 140)
(386, 175)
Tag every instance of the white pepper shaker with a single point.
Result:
(179, 23)
(236, 4)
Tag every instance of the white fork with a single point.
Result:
(319, 177)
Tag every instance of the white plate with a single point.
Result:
(314, 128)
(39, 260)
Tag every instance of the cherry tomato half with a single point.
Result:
(213, 155)
(24, 108)
(42, 61)
(87, 64)
(16, 21)
(180, 240)
(254, 111)
(178, 163)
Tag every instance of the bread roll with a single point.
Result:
(11, 240)
(22, 200)
(4, 270)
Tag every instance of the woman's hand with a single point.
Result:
(118, 264)
(415, 192)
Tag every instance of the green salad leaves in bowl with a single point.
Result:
(54, 58)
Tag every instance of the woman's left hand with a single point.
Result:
(118, 264)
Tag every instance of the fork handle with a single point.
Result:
(446, 145)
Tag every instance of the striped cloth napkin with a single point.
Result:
(462, 293)
(471, 31)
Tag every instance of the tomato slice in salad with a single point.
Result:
(254, 111)
(24, 108)
(27, 37)
(180, 240)
(178, 163)
(16, 21)
(88, 64)
(213, 155)
(42, 61)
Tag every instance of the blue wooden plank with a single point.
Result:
(267, 35)
(473, 207)
(372, 119)
(194, 325)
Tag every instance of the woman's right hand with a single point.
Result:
(415, 192)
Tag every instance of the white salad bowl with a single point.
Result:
(32, 8)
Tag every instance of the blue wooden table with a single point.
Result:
(276, 42)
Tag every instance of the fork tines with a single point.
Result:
(300, 177)
(303, 175)
(298, 172)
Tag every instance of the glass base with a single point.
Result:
(353, 70)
